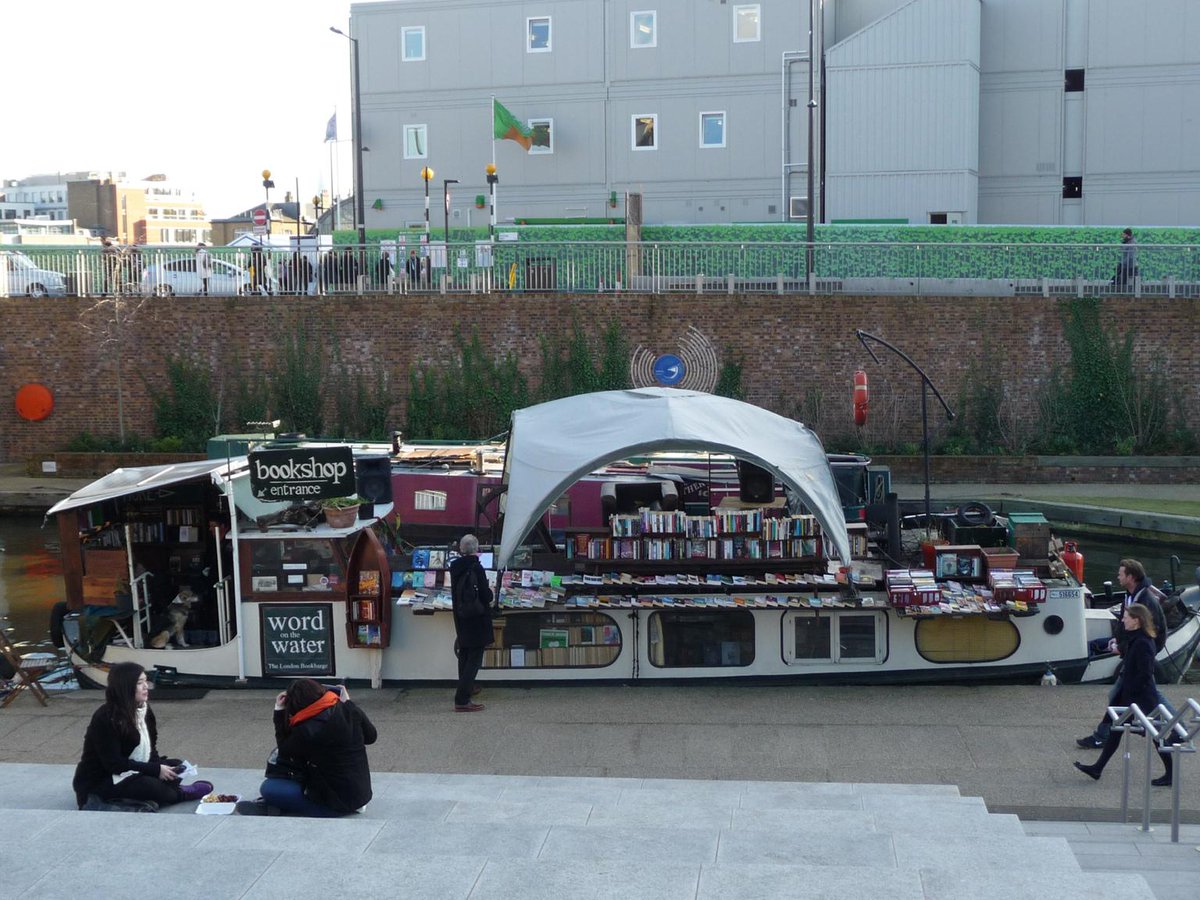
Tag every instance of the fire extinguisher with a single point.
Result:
(1073, 559)
(860, 398)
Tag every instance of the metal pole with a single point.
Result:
(1146, 784)
(812, 106)
(925, 443)
(358, 155)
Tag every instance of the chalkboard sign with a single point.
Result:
(302, 474)
(297, 639)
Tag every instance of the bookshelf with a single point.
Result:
(553, 640)
(369, 594)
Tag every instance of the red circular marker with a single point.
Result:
(34, 402)
(260, 217)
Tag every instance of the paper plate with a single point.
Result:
(217, 809)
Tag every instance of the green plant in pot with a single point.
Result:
(341, 512)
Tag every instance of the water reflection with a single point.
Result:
(30, 576)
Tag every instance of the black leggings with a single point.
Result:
(1110, 747)
(141, 787)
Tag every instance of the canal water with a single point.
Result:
(31, 571)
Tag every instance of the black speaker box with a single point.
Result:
(755, 485)
(373, 475)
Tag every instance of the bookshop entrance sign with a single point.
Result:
(297, 639)
(302, 474)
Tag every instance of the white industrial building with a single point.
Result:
(926, 111)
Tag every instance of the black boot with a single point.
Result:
(1092, 772)
(1166, 778)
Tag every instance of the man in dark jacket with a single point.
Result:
(472, 600)
(1131, 575)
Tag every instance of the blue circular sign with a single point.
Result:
(669, 369)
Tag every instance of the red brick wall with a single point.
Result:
(794, 350)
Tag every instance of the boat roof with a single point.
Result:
(553, 445)
(134, 480)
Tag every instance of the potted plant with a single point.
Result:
(341, 512)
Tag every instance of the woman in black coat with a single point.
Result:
(323, 736)
(1137, 686)
(120, 758)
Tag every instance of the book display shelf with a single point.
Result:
(369, 594)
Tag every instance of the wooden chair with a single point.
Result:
(24, 678)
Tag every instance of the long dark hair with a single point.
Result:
(301, 693)
(119, 696)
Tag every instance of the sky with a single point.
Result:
(209, 93)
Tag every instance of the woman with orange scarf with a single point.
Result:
(324, 736)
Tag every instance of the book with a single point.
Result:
(431, 578)
(437, 559)
(420, 558)
(368, 582)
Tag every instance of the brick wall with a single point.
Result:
(798, 353)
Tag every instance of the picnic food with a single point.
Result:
(220, 798)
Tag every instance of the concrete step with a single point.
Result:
(486, 836)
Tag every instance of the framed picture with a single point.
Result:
(264, 584)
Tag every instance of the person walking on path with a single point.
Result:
(1131, 575)
(472, 600)
(203, 268)
(1137, 686)
(1127, 268)
(120, 758)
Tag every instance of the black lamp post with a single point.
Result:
(359, 212)
(316, 202)
(492, 180)
(427, 176)
(926, 386)
(267, 185)
(446, 182)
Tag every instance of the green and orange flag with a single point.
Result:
(507, 127)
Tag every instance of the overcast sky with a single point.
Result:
(209, 93)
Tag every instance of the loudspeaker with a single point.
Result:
(373, 476)
(755, 485)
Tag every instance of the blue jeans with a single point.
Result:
(288, 796)
(1105, 727)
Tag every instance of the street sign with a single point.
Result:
(260, 217)
(260, 229)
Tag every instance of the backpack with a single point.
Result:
(464, 595)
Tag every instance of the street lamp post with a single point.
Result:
(446, 182)
(316, 202)
(359, 212)
(267, 185)
(492, 179)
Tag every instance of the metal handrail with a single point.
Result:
(1165, 731)
(223, 589)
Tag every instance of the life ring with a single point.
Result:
(973, 514)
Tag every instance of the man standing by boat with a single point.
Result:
(472, 600)
(1131, 575)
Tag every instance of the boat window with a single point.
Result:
(701, 639)
(970, 639)
(293, 566)
(824, 636)
(578, 640)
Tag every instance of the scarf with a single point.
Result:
(141, 753)
(315, 708)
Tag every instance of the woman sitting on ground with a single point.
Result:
(323, 736)
(120, 750)
(1137, 686)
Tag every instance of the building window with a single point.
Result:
(712, 129)
(746, 24)
(645, 132)
(543, 135)
(691, 640)
(416, 143)
(1072, 187)
(1073, 82)
(643, 29)
(537, 34)
(412, 43)
(430, 500)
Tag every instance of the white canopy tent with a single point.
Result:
(124, 482)
(554, 444)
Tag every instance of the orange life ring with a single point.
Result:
(34, 402)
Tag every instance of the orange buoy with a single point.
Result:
(34, 402)
(1073, 559)
(860, 398)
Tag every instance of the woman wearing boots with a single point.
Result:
(1137, 687)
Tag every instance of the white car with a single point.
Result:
(179, 277)
(26, 278)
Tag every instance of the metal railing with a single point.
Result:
(586, 267)
(1173, 734)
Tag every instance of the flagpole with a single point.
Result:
(492, 185)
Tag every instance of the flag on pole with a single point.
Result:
(506, 126)
(331, 128)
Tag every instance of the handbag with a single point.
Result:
(470, 606)
(280, 766)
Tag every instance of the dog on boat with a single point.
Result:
(177, 615)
